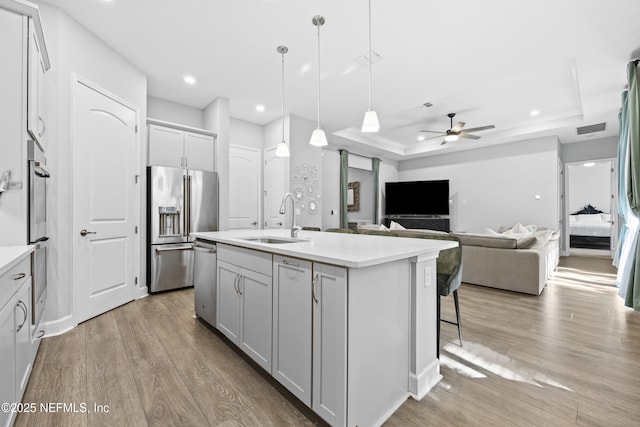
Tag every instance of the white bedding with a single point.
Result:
(597, 225)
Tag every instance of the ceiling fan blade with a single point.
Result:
(431, 137)
(468, 135)
(480, 128)
(457, 127)
(432, 131)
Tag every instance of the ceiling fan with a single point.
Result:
(456, 131)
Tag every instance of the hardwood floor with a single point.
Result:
(568, 357)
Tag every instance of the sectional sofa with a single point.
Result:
(518, 263)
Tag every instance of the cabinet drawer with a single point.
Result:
(260, 262)
(12, 279)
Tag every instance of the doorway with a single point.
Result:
(591, 208)
(106, 200)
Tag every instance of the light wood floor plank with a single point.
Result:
(570, 356)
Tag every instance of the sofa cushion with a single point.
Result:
(414, 232)
(488, 241)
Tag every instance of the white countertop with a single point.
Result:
(11, 255)
(347, 250)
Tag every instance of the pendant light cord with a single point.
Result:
(283, 97)
(318, 77)
(370, 57)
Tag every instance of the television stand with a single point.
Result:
(431, 222)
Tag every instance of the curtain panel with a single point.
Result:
(375, 166)
(344, 183)
(631, 249)
(623, 161)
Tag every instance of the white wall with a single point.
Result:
(73, 49)
(303, 154)
(496, 186)
(365, 178)
(217, 119)
(169, 111)
(590, 185)
(603, 148)
(245, 134)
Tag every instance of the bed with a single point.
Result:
(591, 231)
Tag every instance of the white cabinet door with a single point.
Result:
(36, 89)
(166, 146)
(292, 325)
(330, 343)
(199, 152)
(228, 300)
(8, 358)
(275, 187)
(244, 164)
(22, 316)
(255, 317)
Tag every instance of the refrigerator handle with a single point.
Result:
(189, 209)
(185, 214)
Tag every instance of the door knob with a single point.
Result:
(85, 232)
(254, 223)
(279, 223)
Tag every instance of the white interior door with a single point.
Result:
(105, 200)
(244, 187)
(274, 188)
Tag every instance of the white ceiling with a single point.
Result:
(490, 61)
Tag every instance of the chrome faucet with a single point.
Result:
(294, 227)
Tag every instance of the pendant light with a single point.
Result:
(318, 138)
(370, 122)
(283, 149)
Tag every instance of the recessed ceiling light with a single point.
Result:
(534, 113)
(421, 138)
(260, 108)
(190, 80)
(589, 164)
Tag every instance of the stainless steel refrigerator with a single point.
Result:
(179, 201)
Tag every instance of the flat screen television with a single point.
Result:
(417, 198)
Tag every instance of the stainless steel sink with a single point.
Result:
(273, 240)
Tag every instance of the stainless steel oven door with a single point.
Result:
(38, 176)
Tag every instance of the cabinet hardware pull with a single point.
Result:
(313, 288)
(44, 127)
(19, 276)
(235, 282)
(295, 264)
(40, 334)
(23, 307)
(240, 282)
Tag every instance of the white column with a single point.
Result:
(424, 366)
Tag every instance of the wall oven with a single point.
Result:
(38, 178)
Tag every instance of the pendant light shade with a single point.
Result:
(318, 138)
(282, 150)
(370, 122)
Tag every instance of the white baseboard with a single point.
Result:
(425, 380)
(142, 292)
(58, 327)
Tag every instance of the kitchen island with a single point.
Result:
(345, 322)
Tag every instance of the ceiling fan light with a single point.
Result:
(318, 138)
(370, 122)
(282, 150)
(451, 138)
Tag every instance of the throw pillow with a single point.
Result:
(395, 226)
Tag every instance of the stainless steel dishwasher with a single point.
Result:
(205, 280)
